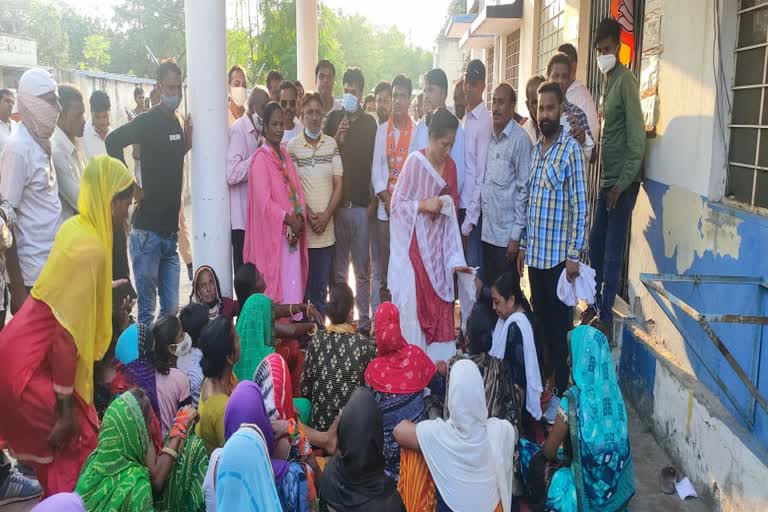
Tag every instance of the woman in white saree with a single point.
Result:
(425, 242)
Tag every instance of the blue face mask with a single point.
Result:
(172, 102)
(350, 103)
(313, 136)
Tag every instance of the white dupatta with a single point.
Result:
(438, 239)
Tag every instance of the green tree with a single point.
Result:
(96, 53)
(78, 29)
(40, 21)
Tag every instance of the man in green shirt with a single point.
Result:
(622, 156)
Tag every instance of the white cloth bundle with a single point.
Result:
(582, 288)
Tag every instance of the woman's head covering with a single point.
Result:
(469, 456)
(244, 478)
(601, 410)
(62, 502)
(399, 367)
(83, 248)
(274, 381)
(246, 405)
(135, 342)
(114, 476)
(215, 307)
(355, 477)
(254, 326)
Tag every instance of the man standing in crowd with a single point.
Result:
(622, 157)
(28, 183)
(325, 79)
(505, 188)
(68, 159)
(355, 133)
(459, 101)
(554, 238)
(383, 96)
(532, 103)
(577, 92)
(478, 127)
(7, 125)
(370, 104)
(237, 93)
(97, 130)
(318, 163)
(245, 137)
(435, 94)
(288, 101)
(274, 79)
(574, 120)
(395, 140)
(164, 141)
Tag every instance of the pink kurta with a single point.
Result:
(268, 203)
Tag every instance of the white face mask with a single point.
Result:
(238, 95)
(606, 63)
(183, 347)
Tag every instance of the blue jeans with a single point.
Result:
(156, 271)
(606, 247)
(319, 276)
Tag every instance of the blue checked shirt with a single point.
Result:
(557, 208)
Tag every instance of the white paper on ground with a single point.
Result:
(685, 489)
(467, 295)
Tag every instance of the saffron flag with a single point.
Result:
(623, 11)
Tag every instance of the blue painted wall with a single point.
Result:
(743, 341)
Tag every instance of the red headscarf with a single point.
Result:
(398, 368)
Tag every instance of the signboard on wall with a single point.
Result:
(15, 51)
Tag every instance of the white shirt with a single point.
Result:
(478, 128)
(28, 182)
(6, 130)
(579, 95)
(457, 152)
(91, 142)
(69, 163)
(380, 166)
(292, 133)
(530, 129)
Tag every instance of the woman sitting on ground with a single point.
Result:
(591, 425)
(207, 290)
(355, 480)
(514, 342)
(193, 318)
(336, 360)
(125, 470)
(469, 457)
(221, 349)
(256, 324)
(49, 347)
(398, 376)
(173, 387)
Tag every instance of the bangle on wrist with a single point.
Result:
(168, 451)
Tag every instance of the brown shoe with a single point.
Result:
(588, 316)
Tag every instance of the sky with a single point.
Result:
(419, 20)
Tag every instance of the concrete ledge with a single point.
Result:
(724, 461)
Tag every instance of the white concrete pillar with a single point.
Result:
(306, 42)
(206, 26)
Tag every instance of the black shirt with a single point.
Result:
(161, 138)
(356, 155)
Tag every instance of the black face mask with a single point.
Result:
(548, 128)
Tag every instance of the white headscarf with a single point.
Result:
(37, 114)
(469, 456)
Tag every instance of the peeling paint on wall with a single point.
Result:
(691, 229)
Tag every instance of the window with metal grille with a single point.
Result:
(551, 21)
(512, 58)
(489, 58)
(748, 156)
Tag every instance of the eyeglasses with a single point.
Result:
(285, 103)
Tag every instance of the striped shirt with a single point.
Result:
(316, 167)
(557, 208)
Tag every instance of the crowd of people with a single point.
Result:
(281, 397)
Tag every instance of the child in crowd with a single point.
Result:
(193, 317)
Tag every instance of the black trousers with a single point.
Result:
(553, 321)
(238, 241)
(495, 263)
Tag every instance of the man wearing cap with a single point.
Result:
(28, 183)
(478, 128)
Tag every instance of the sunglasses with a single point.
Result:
(285, 103)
